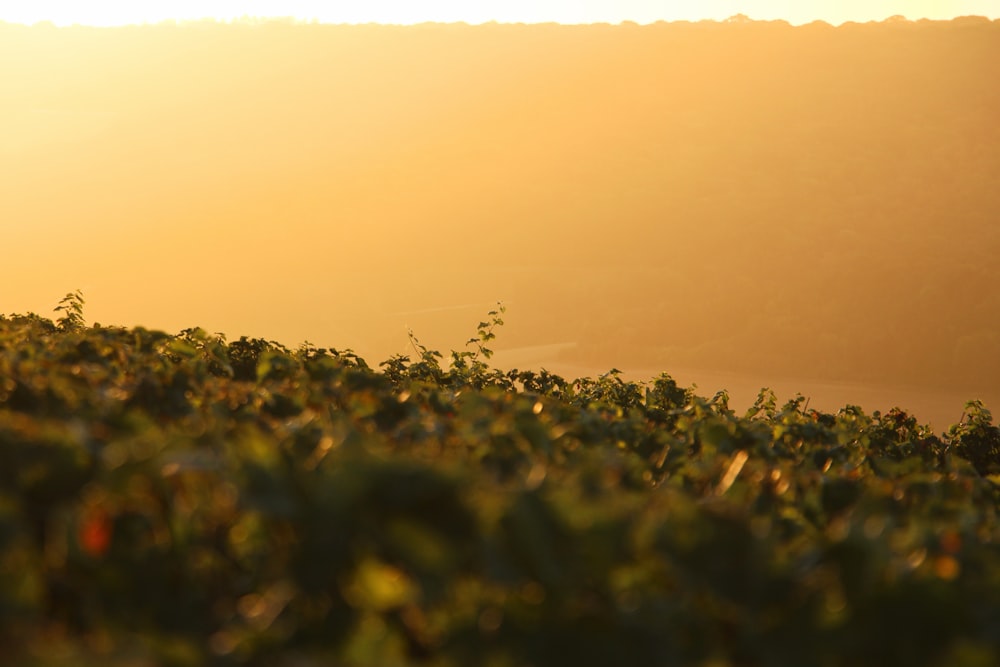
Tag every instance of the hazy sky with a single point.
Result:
(771, 204)
(111, 12)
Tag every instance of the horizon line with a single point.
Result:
(315, 21)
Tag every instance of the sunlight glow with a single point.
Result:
(107, 13)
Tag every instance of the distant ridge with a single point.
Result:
(736, 19)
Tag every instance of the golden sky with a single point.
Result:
(114, 12)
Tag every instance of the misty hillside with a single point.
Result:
(810, 201)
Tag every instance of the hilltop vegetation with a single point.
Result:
(187, 500)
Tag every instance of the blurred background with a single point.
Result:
(740, 204)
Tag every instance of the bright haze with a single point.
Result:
(114, 12)
(795, 195)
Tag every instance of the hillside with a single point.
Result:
(800, 202)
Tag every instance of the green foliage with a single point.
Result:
(71, 307)
(976, 439)
(468, 368)
(185, 500)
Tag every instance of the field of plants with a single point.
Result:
(188, 500)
